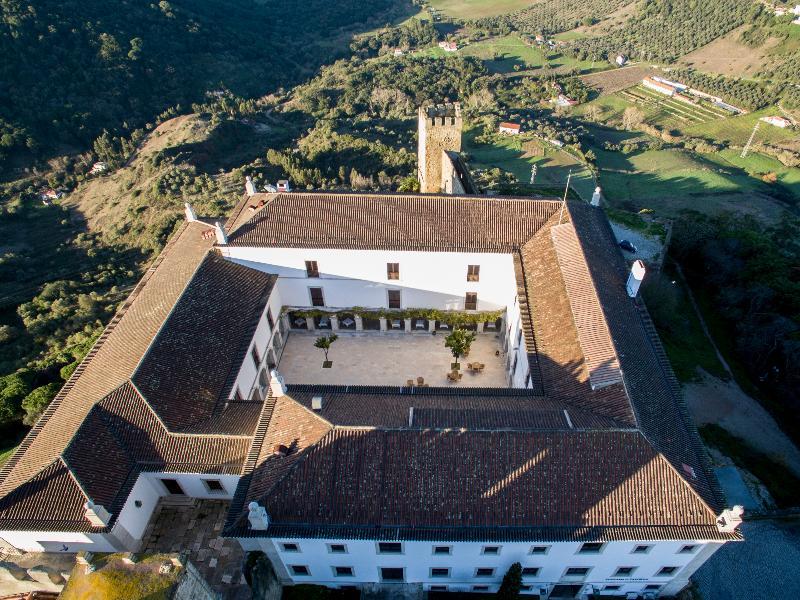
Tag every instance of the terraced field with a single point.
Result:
(672, 109)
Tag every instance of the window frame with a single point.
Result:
(393, 271)
(692, 548)
(295, 574)
(437, 588)
(491, 550)
(536, 574)
(600, 547)
(480, 588)
(270, 319)
(432, 575)
(673, 571)
(479, 574)
(285, 549)
(646, 549)
(255, 355)
(332, 551)
(336, 573)
(399, 293)
(311, 295)
(312, 269)
(471, 299)
(630, 572)
(546, 550)
(164, 481)
(401, 569)
(567, 574)
(207, 483)
(435, 553)
(473, 277)
(379, 551)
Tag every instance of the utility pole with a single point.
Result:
(534, 168)
(750, 141)
(564, 201)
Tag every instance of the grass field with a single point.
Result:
(736, 130)
(504, 54)
(475, 9)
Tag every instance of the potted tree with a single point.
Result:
(324, 342)
(459, 341)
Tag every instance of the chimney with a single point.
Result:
(276, 385)
(635, 278)
(249, 186)
(316, 403)
(96, 514)
(191, 216)
(596, 197)
(730, 519)
(258, 517)
(219, 231)
(280, 450)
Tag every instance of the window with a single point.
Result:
(392, 270)
(539, 549)
(480, 588)
(687, 549)
(440, 572)
(214, 486)
(577, 572)
(514, 365)
(237, 395)
(337, 548)
(173, 487)
(343, 571)
(392, 573)
(471, 301)
(591, 548)
(484, 572)
(438, 588)
(641, 549)
(473, 272)
(290, 547)
(624, 571)
(394, 298)
(390, 548)
(299, 570)
(519, 338)
(611, 588)
(312, 270)
(270, 320)
(317, 297)
(442, 550)
(530, 571)
(526, 588)
(652, 587)
(255, 356)
(667, 571)
(491, 550)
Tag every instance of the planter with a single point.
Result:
(327, 364)
(455, 366)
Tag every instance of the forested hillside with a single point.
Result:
(71, 68)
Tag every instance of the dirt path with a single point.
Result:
(724, 403)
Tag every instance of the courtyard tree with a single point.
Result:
(512, 583)
(459, 342)
(632, 118)
(325, 342)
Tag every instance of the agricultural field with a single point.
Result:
(477, 9)
(613, 80)
(671, 112)
(726, 55)
(736, 130)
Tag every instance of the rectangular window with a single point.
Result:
(438, 588)
(394, 298)
(390, 548)
(667, 571)
(473, 272)
(491, 550)
(471, 301)
(624, 571)
(591, 548)
(270, 320)
(440, 572)
(484, 572)
(652, 588)
(312, 270)
(440, 550)
(392, 270)
(577, 572)
(173, 487)
(290, 547)
(255, 356)
(480, 588)
(343, 571)
(687, 549)
(641, 549)
(611, 588)
(337, 548)
(299, 570)
(317, 297)
(214, 486)
(539, 549)
(530, 571)
(392, 574)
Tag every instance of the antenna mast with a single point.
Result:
(564, 201)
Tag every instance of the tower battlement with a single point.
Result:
(439, 132)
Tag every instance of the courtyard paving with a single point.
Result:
(377, 358)
(197, 528)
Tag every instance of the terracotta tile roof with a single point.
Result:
(401, 222)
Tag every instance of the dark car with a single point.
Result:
(627, 246)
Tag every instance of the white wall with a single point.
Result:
(417, 559)
(135, 518)
(358, 277)
(193, 486)
(55, 541)
(515, 344)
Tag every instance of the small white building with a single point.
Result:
(398, 52)
(283, 185)
(781, 122)
(621, 60)
(657, 86)
(98, 168)
(510, 128)
(448, 46)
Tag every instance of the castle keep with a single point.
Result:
(439, 138)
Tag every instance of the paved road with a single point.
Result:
(763, 567)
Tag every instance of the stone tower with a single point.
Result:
(439, 132)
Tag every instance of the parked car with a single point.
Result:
(627, 246)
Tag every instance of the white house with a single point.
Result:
(777, 121)
(352, 484)
(621, 60)
(657, 86)
(510, 128)
(448, 46)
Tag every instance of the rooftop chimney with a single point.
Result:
(730, 519)
(191, 216)
(276, 385)
(316, 403)
(96, 514)
(597, 196)
(222, 237)
(280, 450)
(258, 517)
(635, 278)
(249, 186)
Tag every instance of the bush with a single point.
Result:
(38, 400)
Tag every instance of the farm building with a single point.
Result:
(283, 185)
(621, 60)
(777, 122)
(510, 128)
(563, 100)
(398, 52)
(448, 46)
(657, 86)
(98, 167)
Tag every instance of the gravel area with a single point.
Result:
(648, 248)
(763, 567)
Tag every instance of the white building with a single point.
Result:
(510, 128)
(658, 86)
(777, 121)
(583, 468)
(448, 46)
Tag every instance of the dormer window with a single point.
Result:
(393, 271)
(473, 272)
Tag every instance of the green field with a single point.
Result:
(509, 54)
(736, 130)
(475, 9)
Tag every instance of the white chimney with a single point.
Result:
(730, 519)
(96, 514)
(635, 278)
(219, 231)
(277, 387)
(596, 197)
(191, 216)
(258, 517)
(249, 186)
(316, 403)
